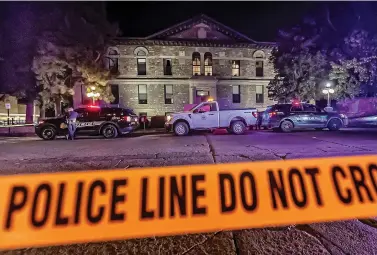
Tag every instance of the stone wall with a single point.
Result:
(128, 95)
(182, 65)
(248, 97)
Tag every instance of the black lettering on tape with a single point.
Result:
(196, 194)
(181, 197)
(117, 198)
(161, 198)
(247, 179)
(294, 173)
(43, 188)
(79, 192)
(227, 207)
(313, 172)
(279, 188)
(373, 175)
(97, 184)
(13, 205)
(359, 182)
(59, 219)
(145, 214)
(336, 171)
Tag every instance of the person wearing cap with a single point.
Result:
(72, 116)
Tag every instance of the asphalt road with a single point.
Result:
(32, 155)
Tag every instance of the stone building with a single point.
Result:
(188, 63)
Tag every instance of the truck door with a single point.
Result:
(206, 116)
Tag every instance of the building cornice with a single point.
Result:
(192, 43)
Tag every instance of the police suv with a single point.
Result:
(288, 117)
(107, 121)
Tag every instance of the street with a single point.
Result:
(33, 155)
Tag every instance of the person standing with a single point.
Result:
(71, 121)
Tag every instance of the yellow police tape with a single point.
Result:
(62, 208)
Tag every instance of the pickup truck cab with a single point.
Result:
(208, 116)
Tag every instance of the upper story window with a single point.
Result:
(142, 94)
(196, 63)
(112, 62)
(115, 92)
(236, 93)
(167, 66)
(168, 89)
(259, 68)
(208, 64)
(236, 68)
(141, 55)
(260, 56)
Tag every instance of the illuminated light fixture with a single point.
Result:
(210, 99)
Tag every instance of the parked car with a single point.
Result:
(208, 116)
(361, 112)
(107, 121)
(288, 117)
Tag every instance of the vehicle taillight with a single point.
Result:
(127, 118)
(271, 114)
(255, 114)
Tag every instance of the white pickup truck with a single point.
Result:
(208, 116)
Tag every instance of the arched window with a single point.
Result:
(113, 61)
(196, 63)
(259, 55)
(208, 64)
(141, 54)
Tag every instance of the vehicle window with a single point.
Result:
(310, 108)
(296, 108)
(128, 112)
(213, 107)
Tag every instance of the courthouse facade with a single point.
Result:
(187, 64)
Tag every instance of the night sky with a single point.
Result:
(258, 20)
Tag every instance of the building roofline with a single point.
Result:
(198, 43)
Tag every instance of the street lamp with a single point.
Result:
(93, 94)
(327, 92)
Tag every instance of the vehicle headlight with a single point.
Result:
(168, 118)
(342, 116)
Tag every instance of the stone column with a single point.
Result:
(191, 94)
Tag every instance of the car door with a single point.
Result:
(206, 117)
(316, 118)
(87, 120)
(297, 115)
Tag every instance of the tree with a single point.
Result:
(354, 73)
(300, 65)
(71, 52)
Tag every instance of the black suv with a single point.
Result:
(107, 121)
(287, 117)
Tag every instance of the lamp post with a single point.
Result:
(327, 92)
(93, 94)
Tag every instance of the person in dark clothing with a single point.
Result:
(71, 122)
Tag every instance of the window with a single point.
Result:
(208, 64)
(143, 96)
(296, 108)
(259, 95)
(115, 92)
(113, 61)
(196, 63)
(141, 66)
(236, 94)
(235, 68)
(167, 66)
(310, 108)
(168, 94)
(259, 68)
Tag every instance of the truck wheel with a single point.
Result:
(334, 125)
(109, 131)
(181, 129)
(48, 133)
(238, 127)
(286, 126)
